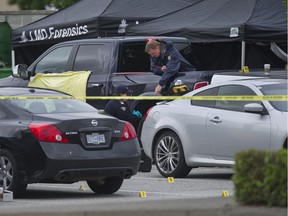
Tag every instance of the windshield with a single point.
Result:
(276, 89)
(45, 106)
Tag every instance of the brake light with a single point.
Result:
(200, 84)
(47, 133)
(128, 132)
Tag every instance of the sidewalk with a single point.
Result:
(186, 207)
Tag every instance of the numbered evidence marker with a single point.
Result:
(82, 187)
(170, 179)
(245, 69)
(225, 194)
(142, 194)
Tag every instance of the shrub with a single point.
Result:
(261, 177)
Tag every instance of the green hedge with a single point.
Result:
(5, 72)
(260, 177)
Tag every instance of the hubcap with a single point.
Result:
(167, 154)
(6, 171)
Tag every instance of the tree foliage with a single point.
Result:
(40, 4)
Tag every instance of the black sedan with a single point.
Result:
(47, 137)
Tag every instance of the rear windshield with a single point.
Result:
(53, 105)
(276, 89)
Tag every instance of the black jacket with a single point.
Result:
(172, 59)
(121, 110)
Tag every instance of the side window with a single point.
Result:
(55, 61)
(133, 58)
(230, 90)
(205, 103)
(92, 58)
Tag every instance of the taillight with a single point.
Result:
(146, 114)
(128, 132)
(47, 133)
(200, 84)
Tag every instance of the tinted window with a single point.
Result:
(276, 89)
(230, 90)
(55, 61)
(53, 105)
(133, 58)
(205, 103)
(92, 58)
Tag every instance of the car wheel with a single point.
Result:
(106, 186)
(169, 156)
(9, 177)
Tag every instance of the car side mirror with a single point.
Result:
(254, 108)
(20, 71)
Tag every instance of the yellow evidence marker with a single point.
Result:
(142, 194)
(225, 194)
(170, 179)
(82, 187)
(245, 69)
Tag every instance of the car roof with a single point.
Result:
(258, 81)
(15, 91)
(127, 39)
(255, 81)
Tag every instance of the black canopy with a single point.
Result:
(222, 21)
(90, 18)
(87, 19)
(225, 34)
(214, 27)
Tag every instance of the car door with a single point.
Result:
(94, 57)
(230, 129)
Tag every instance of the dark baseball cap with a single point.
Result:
(122, 89)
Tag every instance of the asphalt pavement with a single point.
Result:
(224, 206)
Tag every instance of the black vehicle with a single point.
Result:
(112, 61)
(49, 137)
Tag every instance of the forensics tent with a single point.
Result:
(223, 30)
(88, 19)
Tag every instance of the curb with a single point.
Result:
(183, 207)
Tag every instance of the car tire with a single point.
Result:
(9, 174)
(169, 156)
(106, 186)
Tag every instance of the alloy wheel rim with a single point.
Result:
(167, 154)
(6, 172)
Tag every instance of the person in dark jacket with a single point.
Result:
(120, 108)
(166, 61)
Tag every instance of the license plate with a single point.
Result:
(95, 138)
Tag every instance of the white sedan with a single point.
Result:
(182, 134)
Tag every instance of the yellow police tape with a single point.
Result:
(230, 98)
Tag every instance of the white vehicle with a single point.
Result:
(229, 76)
(185, 133)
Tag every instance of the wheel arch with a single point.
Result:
(4, 144)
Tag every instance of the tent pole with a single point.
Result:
(243, 54)
(13, 58)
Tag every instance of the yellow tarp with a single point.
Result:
(73, 83)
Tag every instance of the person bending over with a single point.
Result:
(166, 61)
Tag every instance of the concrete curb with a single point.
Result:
(185, 207)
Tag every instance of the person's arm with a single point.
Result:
(172, 67)
(156, 69)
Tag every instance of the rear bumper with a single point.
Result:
(71, 162)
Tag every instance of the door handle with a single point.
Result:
(97, 85)
(216, 119)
